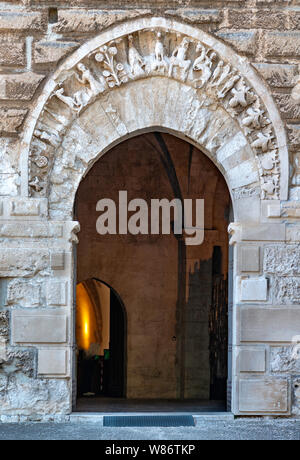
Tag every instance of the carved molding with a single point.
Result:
(150, 52)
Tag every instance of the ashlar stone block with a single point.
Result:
(263, 395)
(57, 293)
(38, 327)
(57, 260)
(22, 262)
(250, 259)
(266, 324)
(255, 289)
(23, 293)
(52, 361)
(252, 360)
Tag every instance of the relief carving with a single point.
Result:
(136, 61)
(188, 60)
(113, 72)
(204, 64)
(159, 62)
(263, 142)
(179, 58)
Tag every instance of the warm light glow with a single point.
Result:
(93, 317)
(86, 321)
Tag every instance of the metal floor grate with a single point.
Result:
(148, 420)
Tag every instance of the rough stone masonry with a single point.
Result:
(224, 75)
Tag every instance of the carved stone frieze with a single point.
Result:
(144, 54)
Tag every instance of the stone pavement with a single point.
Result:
(240, 429)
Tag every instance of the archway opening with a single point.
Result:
(101, 345)
(176, 295)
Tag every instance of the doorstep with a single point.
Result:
(97, 417)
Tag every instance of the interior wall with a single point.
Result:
(166, 287)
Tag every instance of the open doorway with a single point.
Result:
(176, 296)
(101, 341)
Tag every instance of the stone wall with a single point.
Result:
(36, 251)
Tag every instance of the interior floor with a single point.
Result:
(110, 405)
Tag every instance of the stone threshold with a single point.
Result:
(97, 417)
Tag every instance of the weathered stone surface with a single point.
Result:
(23, 207)
(291, 209)
(38, 327)
(263, 395)
(292, 230)
(29, 230)
(22, 262)
(294, 19)
(57, 293)
(294, 134)
(197, 16)
(296, 396)
(8, 155)
(257, 19)
(92, 20)
(48, 52)
(285, 359)
(4, 326)
(18, 361)
(285, 44)
(288, 108)
(22, 21)
(23, 293)
(12, 52)
(278, 75)
(19, 86)
(265, 324)
(243, 41)
(29, 396)
(9, 178)
(287, 290)
(11, 119)
(282, 260)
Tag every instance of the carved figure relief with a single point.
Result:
(263, 141)
(69, 101)
(115, 64)
(159, 62)
(203, 64)
(179, 58)
(240, 96)
(136, 62)
(253, 118)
